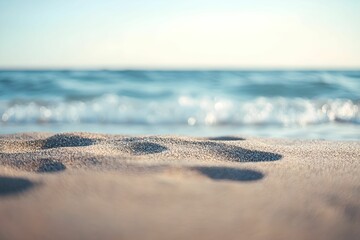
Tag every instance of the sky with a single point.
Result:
(190, 34)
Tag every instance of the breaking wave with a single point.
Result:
(183, 110)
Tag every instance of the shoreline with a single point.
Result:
(84, 185)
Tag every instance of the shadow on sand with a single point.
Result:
(231, 174)
(226, 138)
(14, 185)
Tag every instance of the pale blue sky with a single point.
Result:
(179, 34)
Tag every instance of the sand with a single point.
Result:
(95, 186)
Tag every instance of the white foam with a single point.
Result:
(184, 110)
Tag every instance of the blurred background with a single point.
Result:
(203, 68)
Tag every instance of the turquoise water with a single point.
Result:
(293, 104)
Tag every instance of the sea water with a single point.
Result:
(291, 104)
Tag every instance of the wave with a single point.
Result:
(183, 110)
(163, 84)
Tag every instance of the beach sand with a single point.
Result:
(96, 186)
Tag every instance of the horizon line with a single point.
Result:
(99, 68)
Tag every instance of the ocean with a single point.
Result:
(286, 104)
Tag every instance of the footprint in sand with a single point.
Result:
(226, 138)
(217, 149)
(142, 148)
(49, 166)
(14, 185)
(67, 140)
(230, 174)
(55, 141)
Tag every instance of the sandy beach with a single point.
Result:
(96, 186)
